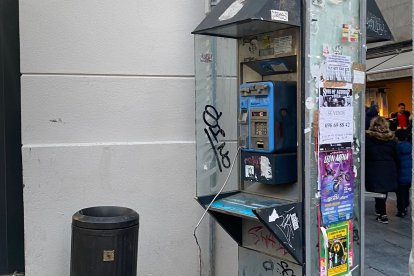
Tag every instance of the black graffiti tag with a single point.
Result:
(376, 25)
(286, 271)
(287, 228)
(282, 268)
(268, 266)
(213, 131)
(355, 235)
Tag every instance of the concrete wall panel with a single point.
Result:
(109, 37)
(76, 109)
(155, 180)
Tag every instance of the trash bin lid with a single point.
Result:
(105, 217)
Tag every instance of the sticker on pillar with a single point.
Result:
(338, 50)
(349, 33)
(337, 185)
(359, 77)
(232, 10)
(345, 32)
(310, 103)
(315, 71)
(319, 3)
(334, 252)
(326, 50)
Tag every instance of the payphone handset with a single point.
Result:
(267, 117)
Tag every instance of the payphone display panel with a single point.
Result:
(268, 117)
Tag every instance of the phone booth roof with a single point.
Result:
(377, 27)
(243, 18)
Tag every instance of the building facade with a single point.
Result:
(389, 64)
(108, 119)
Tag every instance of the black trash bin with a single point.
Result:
(104, 242)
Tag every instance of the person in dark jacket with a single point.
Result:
(370, 114)
(404, 149)
(381, 163)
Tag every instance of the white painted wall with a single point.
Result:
(108, 119)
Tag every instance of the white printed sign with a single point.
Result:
(359, 77)
(280, 15)
(335, 115)
(338, 68)
(283, 44)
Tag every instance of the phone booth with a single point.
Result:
(279, 94)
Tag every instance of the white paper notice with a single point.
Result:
(280, 15)
(265, 167)
(359, 77)
(283, 44)
(335, 115)
(338, 68)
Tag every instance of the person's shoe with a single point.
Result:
(383, 219)
(401, 214)
(376, 212)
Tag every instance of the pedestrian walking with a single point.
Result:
(404, 149)
(381, 164)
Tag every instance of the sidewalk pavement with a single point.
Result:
(387, 246)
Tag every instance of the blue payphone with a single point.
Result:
(268, 117)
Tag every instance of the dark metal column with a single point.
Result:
(11, 183)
